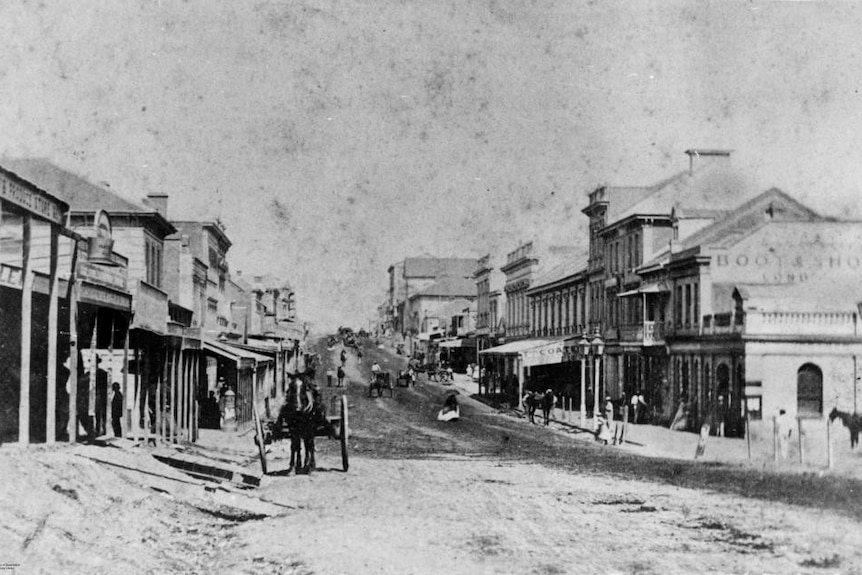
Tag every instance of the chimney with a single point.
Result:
(697, 156)
(158, 202)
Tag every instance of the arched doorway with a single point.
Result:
(809, 391)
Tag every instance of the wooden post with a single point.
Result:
(72, 424)
(829, 460)
(799, 427)
(26, 331)
(748, 433)
(106, 416)
(125, 423)
(91, 401)
(53, 336)
(195, 375)
(174, 375)
(136, 408)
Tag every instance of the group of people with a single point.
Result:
(92, 419)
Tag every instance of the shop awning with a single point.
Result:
(549, 353)
(516, 347)
(242, 357)
(645, 288)
(462, 342)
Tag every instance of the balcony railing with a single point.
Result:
(646, 333)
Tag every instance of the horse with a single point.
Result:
(534, 399)
(853, 422)
(299, 412)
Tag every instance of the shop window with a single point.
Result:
(809, 391)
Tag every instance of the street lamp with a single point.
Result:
(590, 347)
(584, 350)
(598, 348)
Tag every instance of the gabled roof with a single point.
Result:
(712, 188)
(744, 220)
(79, 193)
(449, 287)
(439, 267)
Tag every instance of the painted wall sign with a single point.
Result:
(30, 200)
(789, 253)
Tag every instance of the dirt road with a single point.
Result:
(487, 494)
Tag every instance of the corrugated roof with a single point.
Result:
(571, 265)
(450, 287)
(439, 267)
(80, 194)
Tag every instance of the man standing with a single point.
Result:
(117, 410)
(101, 397)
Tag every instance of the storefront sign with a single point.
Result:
(31, 200)
(104, 297)
(544, 355)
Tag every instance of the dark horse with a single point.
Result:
(853, 422)
(299, 413)
(534, 399)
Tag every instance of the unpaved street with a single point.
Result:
(487, 494)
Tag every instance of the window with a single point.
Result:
(696, 304)
(678, 306)
(809, 391)
(687, 305)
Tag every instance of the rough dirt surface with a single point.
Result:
(487, 494)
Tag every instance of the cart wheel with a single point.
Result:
(343, 432)
(259, 440)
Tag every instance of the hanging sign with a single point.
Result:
(101, 245)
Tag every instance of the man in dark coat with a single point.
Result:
(117, 410)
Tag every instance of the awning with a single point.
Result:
(646, 288)
(462, 342)
(242, 357)
(520, 346)
(549, 353)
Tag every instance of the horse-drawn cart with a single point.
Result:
(317, 423)
(380, 381)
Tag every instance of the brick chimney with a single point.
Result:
(158, 202)
(697, 156)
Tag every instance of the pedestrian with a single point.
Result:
(117, 410)
(451, 410)
(609, 409)
(343, 357)
(101, 397)
(636, 402)
(359, 356)
(783, 430)
(340, 376)
(603, 431)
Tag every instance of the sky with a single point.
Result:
(336, 138)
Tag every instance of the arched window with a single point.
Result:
(809, 390)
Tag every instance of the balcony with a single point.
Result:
(151, 308)
(647, 333)
(722, 324)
